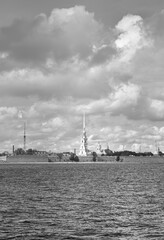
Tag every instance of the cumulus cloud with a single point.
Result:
(132, 36)
(65, 33)
(156, 110)
(55, 67)
(125, 96)
(82, 83)
(7, 113)
(102, 54)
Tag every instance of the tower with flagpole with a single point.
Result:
(84, 141)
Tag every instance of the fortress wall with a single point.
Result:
(26, 159)
(106, 159)
(85, 159)
(44, 159)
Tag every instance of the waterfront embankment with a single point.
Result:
(87, 159)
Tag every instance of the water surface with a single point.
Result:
(82, 201)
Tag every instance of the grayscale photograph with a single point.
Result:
(81, 119)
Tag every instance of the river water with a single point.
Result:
(82, 201)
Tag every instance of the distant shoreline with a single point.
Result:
(80, 163)
(27, 159)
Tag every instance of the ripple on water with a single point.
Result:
(85, 201)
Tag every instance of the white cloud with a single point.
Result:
(7, 112)
(157, 109)
(56, 67)
(65, 33)
(54, 123)
(125, 96)
(132, 36)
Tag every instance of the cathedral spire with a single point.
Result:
(84, 121)
(84, 143)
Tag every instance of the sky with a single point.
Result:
(61, 58)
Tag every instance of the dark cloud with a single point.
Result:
(102, 55)
(24, 42)
(66, 33)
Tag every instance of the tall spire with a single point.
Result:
(84, 144)
(83, 121)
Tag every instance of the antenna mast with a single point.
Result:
(24, 136)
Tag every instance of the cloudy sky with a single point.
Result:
(59, 58)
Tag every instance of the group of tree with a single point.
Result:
(4, 154)
(21, 151)
(94, 154)
(73, 157)
(128, 153)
